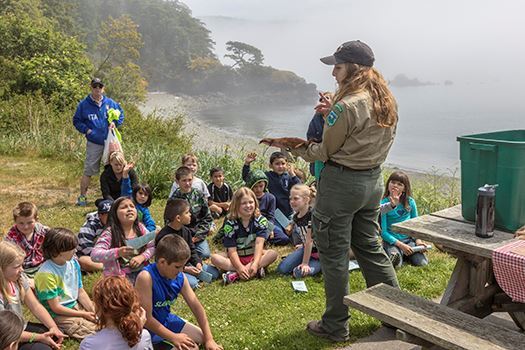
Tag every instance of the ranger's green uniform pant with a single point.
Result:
(346, 215)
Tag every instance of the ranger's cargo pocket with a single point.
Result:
(320, 228)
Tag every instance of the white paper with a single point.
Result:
(353, 265)
(139, 242)
(299, 286)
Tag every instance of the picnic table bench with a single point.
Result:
(471, 294)
(432, 323)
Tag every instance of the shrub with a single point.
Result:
(436, 191)
(36, 57)
(30, 125)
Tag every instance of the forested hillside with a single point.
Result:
(159, 45)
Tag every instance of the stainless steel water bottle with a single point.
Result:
(485, 211)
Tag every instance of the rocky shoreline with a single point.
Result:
(205, 137)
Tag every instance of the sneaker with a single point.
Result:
(229, 277)
(315, 328)
(261, 273)
(82, 201)
(395, 258)
(297, 273)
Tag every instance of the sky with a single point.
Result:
(466, 41)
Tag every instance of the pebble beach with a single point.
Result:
(205, 137)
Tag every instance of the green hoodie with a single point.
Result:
(256, 176)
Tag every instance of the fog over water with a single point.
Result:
(478, 45)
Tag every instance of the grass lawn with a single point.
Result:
(259, 314)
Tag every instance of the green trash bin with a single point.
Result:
(494, 158)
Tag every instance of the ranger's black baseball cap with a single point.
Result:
(351, 52)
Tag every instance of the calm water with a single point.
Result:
(430, 119)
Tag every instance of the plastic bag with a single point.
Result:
(113, 116)
(112, 144)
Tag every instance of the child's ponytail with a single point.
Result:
(130, 328)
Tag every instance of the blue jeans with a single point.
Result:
(416, 259)
(203, 249)
(194, 280)
(279, 237)
(295, 259)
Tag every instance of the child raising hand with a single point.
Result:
(250, 158)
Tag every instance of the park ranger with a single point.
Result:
(360, 125)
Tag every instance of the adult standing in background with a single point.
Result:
(358, 133)
(91, 119)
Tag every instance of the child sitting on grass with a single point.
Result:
(16, 293)
(191, 161)
(119, 317)
(142, 197)
(177, 215)
(28, 234)
(245, 232)
(89, 233)
(257, 181)
(59, 285)
(304, 261)
(220, 193)
(158, 287)
(11, 327)
(201, 220)
(112, 248)
(280, 180)
(397, 245)
(111, 177)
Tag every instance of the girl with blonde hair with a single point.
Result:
(304, 261)
(245, 232)
(111, 178)
(15, 290)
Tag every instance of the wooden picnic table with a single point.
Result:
(472, 287)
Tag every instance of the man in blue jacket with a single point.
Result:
(91, 119)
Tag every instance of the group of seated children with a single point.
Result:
(116, 239)
(280, 179)
(119, 312)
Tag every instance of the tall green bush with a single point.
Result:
(36, 58)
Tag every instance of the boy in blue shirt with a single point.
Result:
(158, 286)
(281, 178)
